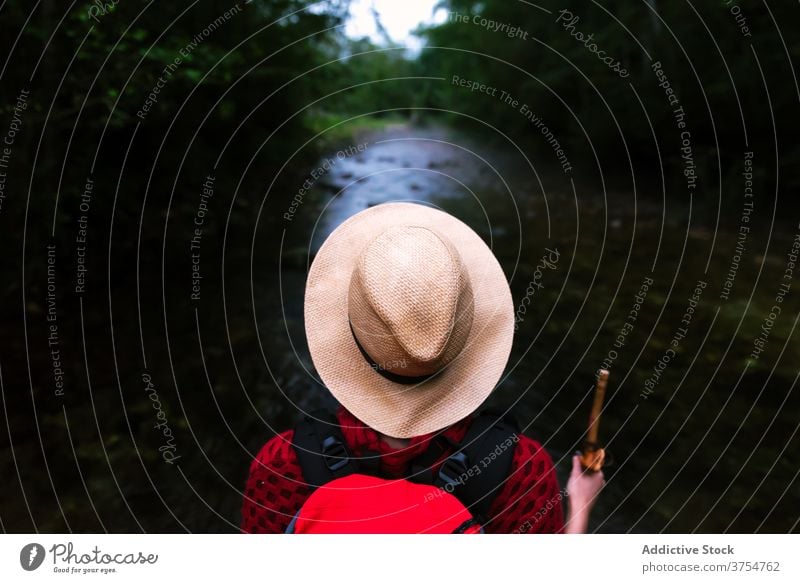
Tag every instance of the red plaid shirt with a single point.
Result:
(528, 502)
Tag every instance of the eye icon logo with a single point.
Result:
(31, 556)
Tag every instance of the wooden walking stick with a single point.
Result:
(593, 455)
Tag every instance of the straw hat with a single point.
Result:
(409, 318)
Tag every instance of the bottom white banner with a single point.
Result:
(355, 558)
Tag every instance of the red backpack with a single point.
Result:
(351, 496)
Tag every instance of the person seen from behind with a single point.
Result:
(409, 321)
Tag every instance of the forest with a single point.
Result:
(168, 171)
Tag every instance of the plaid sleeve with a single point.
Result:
(275, 490)
(530, 501)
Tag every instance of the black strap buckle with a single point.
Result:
(335, 453)
(453, 469)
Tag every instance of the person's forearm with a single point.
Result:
(577, 519)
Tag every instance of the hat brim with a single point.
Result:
(395, 409)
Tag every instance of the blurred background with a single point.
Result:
(167, 172)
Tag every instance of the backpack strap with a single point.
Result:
(421, 469)
(322, 450)
(481, 463)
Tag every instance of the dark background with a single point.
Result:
(267, 95)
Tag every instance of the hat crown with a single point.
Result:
(410, 302)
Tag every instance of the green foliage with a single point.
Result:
(700, 45)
